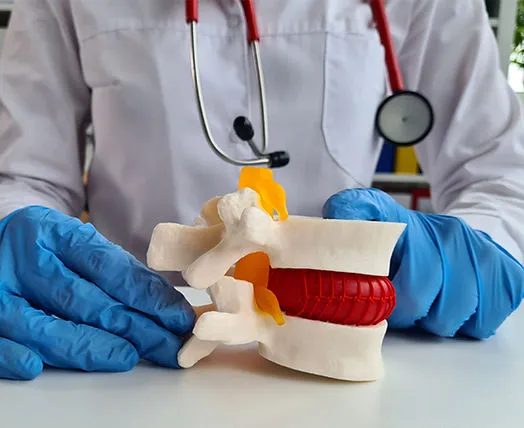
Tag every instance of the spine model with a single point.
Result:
(312, 292)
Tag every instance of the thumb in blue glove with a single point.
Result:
(449, 278)
(71, 299)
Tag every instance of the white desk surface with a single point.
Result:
(429, 383)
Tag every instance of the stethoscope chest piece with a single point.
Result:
(404, 118)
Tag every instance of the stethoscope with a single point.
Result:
(404, 118)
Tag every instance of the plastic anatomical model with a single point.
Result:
(313, 293)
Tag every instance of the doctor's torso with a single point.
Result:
(324, 76)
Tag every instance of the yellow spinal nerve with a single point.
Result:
(254, 267)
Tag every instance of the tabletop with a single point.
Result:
(430, 382)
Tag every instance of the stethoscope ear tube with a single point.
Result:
(241, 125)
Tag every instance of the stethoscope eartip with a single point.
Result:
(243, 128)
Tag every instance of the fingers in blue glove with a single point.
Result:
(503, 291)
(364, 204)
(85, 251)
(76, 299)
(64, 344)
(18, 362)
(457, 296)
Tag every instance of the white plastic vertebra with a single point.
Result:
(299, 242)
(330, 350)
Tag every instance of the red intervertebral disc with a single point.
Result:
(335, 297)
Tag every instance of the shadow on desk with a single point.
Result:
(418, 335)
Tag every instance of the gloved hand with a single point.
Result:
(71, 299)
(449, 278)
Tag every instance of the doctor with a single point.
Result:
(77, 296)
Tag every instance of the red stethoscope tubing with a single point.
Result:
(379, 16)
(381, 21)
(253, 33)
(191, 11)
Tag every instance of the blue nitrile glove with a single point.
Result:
(71, 299)
(449, 278)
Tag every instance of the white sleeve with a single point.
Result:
(44, 104)
(474, 157)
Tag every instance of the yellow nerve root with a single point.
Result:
(254, 267)
(272, 194)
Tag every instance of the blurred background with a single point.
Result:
(398, 172)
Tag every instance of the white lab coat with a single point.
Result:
(124, 64)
